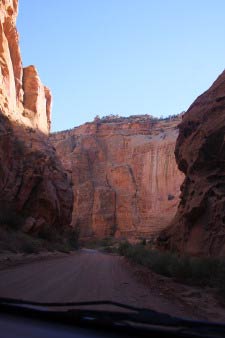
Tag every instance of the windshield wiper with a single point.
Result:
(134, 315)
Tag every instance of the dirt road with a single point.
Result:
(86, 275)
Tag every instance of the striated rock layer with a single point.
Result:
(33, 184)
(125, 178)
(199, 226)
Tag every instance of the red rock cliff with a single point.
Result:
(23, 98)
(125, 178)
(199, 226)
(33, 183)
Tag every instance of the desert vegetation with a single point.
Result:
(204, 272)
(132, 118)
(115, 118)
(14, 239)
(107, 244)
(196, 271)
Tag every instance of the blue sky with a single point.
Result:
(122, 56)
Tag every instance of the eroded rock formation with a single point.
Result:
(199, 226)
(23, 98)
(33, 184)
(125, 178)
(36, 100)
(32, 181)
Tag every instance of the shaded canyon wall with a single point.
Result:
(199, 225)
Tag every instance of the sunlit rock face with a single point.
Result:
(33, 183)
(23, 98)
(125, 178)
(36, 100)
(199, 226)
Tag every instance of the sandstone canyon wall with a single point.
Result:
(32, 181)
(23, 98)
(125, 179)
(199, 226)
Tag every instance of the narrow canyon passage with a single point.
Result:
(87, 275)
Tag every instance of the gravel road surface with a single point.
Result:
(86, 275)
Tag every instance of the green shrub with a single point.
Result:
(30, 247)
(48, 233)
(11, 218)
(62, 247)
(18, 241)
(59, 239)
(161, 262)
(104, 243)
(72, 237)
(47, 239)
(124, 248)
(107, 241)
(110, 249)
(189, 270)
(91, 244)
